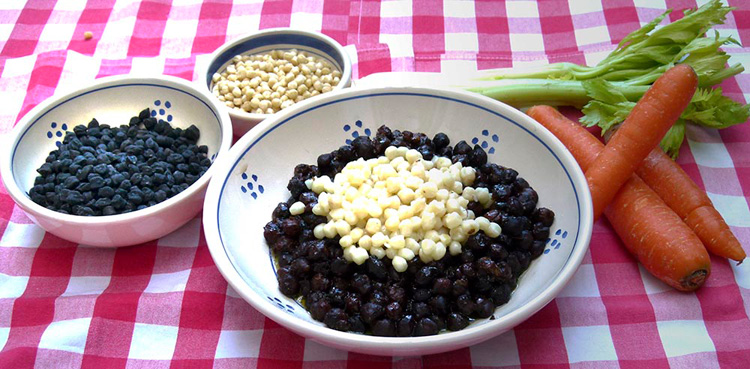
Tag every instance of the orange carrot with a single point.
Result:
(641, 131)
(681, 194)
(661, 241)
(650, 230)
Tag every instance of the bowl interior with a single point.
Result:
(258, 178)
(113, 104)
(275, 41)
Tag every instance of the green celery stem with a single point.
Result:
(528, 92)
(721, 75)
(550, 71)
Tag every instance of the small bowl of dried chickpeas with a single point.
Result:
(265, 72)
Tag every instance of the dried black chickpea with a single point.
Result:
(103, 170)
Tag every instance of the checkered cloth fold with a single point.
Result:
(164, 303)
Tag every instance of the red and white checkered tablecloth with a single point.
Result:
(164, 303)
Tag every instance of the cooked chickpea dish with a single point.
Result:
(268, 82)
(403, 235)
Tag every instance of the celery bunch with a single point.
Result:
(608, 91)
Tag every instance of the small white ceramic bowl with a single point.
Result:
(313, 43)
(113, 101)
(252, 180)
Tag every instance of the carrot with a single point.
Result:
(641, 131)
(659, 239)
(681, 194)
(650, 230)
(580, 142)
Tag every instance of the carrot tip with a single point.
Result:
(694, 280)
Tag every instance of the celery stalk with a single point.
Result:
(527, 92)
(628, 71)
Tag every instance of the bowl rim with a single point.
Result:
(368, 343)
(13, 138)
(346, 69)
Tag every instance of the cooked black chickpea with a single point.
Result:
(382, 292)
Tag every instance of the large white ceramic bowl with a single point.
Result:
(113, 101)
(252, 179)
(313, 43)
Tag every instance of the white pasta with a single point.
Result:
(400, 206)
(268, 82)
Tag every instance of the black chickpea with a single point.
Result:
(427, 296)
(106, 170)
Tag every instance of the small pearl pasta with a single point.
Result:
(399, 206)
(256, 83)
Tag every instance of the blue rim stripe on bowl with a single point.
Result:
(50, 109)
(279, 124)
(283, 40)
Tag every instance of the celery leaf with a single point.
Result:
(672, 140)
(710, 108)
(599, 89)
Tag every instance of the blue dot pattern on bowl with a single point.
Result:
(286, 307)
(555, 242)
(355, 132)
(484, 141)
(56, 133)
(161, 111)
(252, 186)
